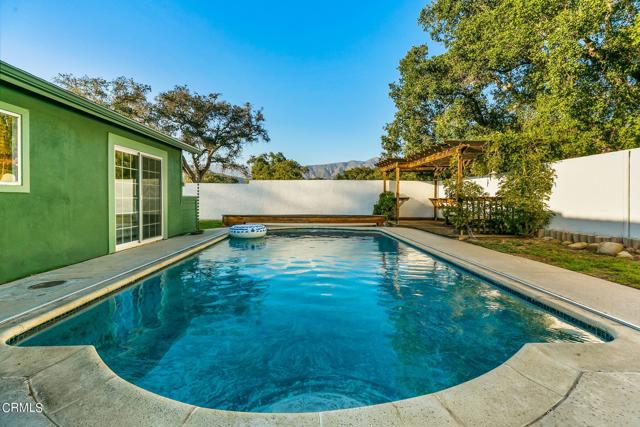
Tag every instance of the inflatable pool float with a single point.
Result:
(248, 231)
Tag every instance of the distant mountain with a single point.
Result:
(330, 170)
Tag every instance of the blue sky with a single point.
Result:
(319, 70)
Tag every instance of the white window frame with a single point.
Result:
(18, 182)
(141, 241)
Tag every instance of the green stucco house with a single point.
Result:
(78, 180)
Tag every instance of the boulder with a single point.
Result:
(548, 238)
(593, 247)
(624, 254)
(566, 243)
(578, 245)
(610, 248)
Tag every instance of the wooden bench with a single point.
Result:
(303, 219)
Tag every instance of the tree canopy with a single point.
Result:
(539, 80)
(217, 128)
(217, 178)
(121, 94)
(275, 166)
(360, 173)
(561, 73)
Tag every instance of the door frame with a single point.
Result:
(120, 143)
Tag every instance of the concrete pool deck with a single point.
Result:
(552, 384)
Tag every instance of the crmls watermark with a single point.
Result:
(21, 407)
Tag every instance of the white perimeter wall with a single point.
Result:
(597, 195)
(592, 195)
(327, 197)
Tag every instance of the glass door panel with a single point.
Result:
(138, 194)
(127, 200)
(151, 198)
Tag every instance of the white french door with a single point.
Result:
(138, 194)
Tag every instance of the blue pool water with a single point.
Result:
(305, 321)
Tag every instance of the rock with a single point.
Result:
(593, 247)
(578, 245)
(610, 248)
(624, 254)
(548, 238)
(566, 243)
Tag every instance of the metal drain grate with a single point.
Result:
(49, 284)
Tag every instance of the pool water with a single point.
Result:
(307, 321)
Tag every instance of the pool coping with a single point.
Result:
(75, 386)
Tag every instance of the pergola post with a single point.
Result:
(434, 159)
(435, 196)
(458, 173)
(459, 180)
(397, 194)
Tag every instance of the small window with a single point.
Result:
(10, 148)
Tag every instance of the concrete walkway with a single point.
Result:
(554, 384)
(83, 278)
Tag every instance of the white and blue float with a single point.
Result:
(248, 231)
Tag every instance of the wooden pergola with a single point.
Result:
(435, 160)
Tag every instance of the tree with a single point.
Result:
(570, 67)
(360, 173)
(220, 130)
(275, 166)
(216, 178)
(217, 128)
(539, 80)
(121, 94)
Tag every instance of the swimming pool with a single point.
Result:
(306, 321)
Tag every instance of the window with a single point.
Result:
(10, 142)
(14, 148)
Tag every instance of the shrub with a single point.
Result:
(386, 205)
(459, 215)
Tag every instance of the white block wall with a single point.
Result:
(326, 197)
(593, 195)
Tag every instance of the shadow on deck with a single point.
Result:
(442, 229)
(430, 225)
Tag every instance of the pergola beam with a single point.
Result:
(435, 158)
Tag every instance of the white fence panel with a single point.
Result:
(593, 195)
(324, 197)
(634, 194)
(590, 194)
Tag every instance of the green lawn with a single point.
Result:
(210, 223)
(624, 271)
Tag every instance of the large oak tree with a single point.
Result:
(217, 128)
(540, 80)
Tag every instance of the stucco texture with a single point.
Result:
(64, 218)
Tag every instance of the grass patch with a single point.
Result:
(210, 223)
(623, 271)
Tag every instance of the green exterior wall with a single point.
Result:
(64, 218)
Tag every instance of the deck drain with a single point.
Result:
(49, 284)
